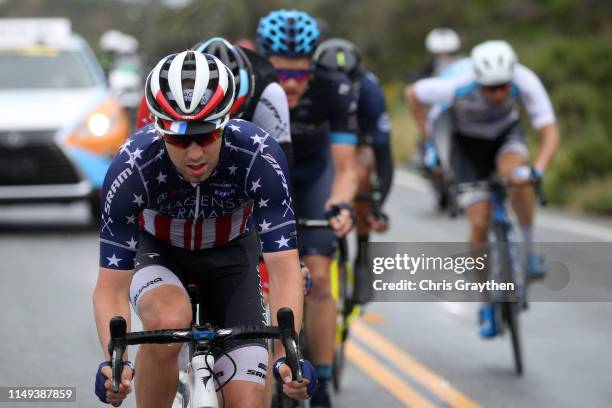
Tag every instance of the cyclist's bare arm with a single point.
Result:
(286, 290)
(345, 183)
(286, 286)
(418, 110)
(550, 142)
(111, 298)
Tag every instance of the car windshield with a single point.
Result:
(44, 68)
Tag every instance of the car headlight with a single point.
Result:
(99, 124)
(103, 130)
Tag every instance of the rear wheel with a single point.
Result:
(338, 366)
(345, 308)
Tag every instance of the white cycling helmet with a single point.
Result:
(493, 62)
(442, 41)
(116, 41)
(190, 93)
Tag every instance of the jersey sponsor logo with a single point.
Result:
(256, 373)
(344, 89)
(146, 285)
(210, 206)
(114, 186)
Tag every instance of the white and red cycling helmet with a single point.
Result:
(190, 93)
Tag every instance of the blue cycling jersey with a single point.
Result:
(374, 122)
(144, 191)
(325, 114)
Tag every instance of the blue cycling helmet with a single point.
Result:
(290, 33)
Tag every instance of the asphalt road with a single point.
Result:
(401, 354)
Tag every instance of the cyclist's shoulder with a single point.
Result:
(331, 83)
(524, 78)
(456, 69)
(137, 160)
(368, 77)
(245, 135)
(141, 147)
(370, 84)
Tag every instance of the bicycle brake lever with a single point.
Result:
(286, 324)
(116, 348)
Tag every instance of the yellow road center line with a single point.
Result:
(430, 380)
(383, 376)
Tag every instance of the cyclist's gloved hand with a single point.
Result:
(342, 218)
(378, 223)
(103, 383)
(430, 156)
(294, 389)
(537, 174)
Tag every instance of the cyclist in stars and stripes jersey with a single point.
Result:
(182, 203)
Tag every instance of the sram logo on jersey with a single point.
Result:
(146, 285)
(113, 188)
(256, 373)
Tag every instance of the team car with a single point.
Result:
(60, 126)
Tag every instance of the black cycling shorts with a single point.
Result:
(227, 276)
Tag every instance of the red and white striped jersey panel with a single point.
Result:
(196, 234)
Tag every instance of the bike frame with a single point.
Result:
(501, 226)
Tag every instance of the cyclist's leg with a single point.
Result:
(161, 302)
(230, 295)
(474, 161)
(321, 316)
(312, 186)
(365, 167)
(513, 154)
(441, 134)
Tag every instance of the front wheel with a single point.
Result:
(510, 317)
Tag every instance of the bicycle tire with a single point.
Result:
(510, 316)
(510, 309)
(338, 367)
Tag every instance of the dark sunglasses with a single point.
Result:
(493, 88)
(183, 141)
(297, 74)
